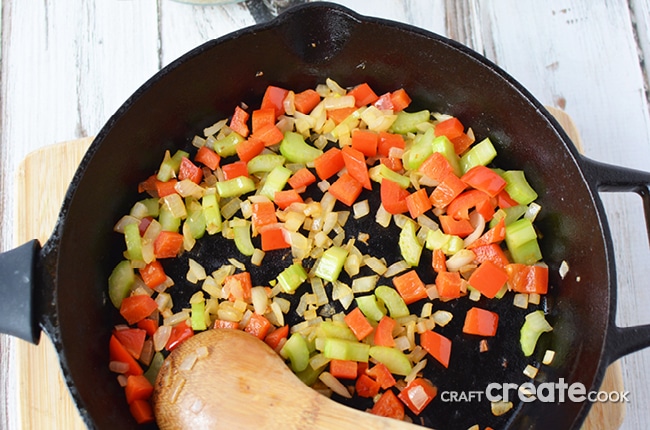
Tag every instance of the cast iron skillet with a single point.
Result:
(61, 288)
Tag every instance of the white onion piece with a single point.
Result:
(460, 259)
(477, 220)
(334, 384)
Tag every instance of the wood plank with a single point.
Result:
(43, 398)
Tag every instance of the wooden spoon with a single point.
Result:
(228, 379)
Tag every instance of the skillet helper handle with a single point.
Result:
(623, 340)
(17, 282)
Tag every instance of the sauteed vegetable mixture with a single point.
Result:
(291, 176)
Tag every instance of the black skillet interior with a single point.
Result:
(299, 50)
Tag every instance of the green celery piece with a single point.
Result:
(133, 241)
(152, 206)
(242, 232)
(296, 150)
(526, 253)
(518, 187)
(330, 263)
(370, 307)
(348, 123)
(170, 165)
(196, 222)
(227, 146)
(235, 187)
(336, 330)
(394, 359)
(436, 239)
(380, 172)
(156, 363)
(448, 243)
(198, 316)
(310, 375)
(444, 146)
(292, 277)
(511, 214)
(211, 213)
(480, 154)
(120, 281)
(391, 298)
(534, 325)
(340, 349)
(297, 351)
(275, 181)
(407, 122)
(409, 245)
(454, 245)
(520, 232)
(264, 163)
(421, 149)
(167, 221)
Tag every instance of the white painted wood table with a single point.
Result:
(68, 65)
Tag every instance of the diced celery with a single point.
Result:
(526, 253)
(336, 330)
(196, 222)
(198, 316)
(167, 220)
(133, 241)
(264, 163)
(347, 124)
(480, 154)
(534, 325)
(275, 181)
(408, 122)
(444, 146)
(454, 245)
(156, 363)
(152, 206)
(242, 232)
(370, 307)
(310, 375)
(390, 297)
(297, 351)
(170, 165)
(380, 172)
(227, 146)
(450, 244)
(339, 349)
(211, 213)
(421, 149)
(511, 214)
(291, 277)
(119, 282)
(235, 187)
(409, 245)
(520, 232)
(518, 187)
(330, 263)
(394, 359)
(296, 150)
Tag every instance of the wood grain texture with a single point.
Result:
(66, 66)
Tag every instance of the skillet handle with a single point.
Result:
(18, 277)
(622, 340)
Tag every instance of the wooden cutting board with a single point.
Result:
(43, 400)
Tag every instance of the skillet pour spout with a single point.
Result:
(55, 288)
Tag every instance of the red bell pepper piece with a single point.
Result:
(481, 322)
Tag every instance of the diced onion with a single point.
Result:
(500, 408)
(334, 384)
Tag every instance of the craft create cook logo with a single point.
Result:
(550, 392)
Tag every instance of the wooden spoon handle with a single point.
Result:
(237, 381)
